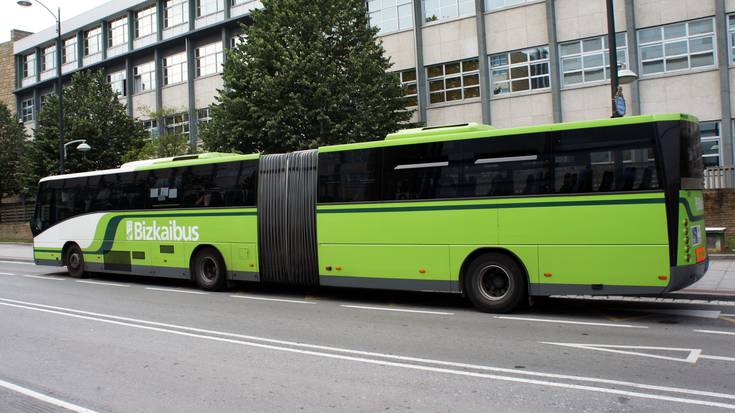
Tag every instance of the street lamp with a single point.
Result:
(59, 87)
(82, 147)
(622, 77)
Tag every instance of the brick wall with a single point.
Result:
(719, 209)
(7, 69)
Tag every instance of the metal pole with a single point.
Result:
(60, 90)
(613, 49)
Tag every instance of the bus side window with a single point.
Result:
(350, 176)
(421, 171)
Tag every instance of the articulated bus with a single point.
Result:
(596, 208)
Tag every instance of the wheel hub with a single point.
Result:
(494, 282)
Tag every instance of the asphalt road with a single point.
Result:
(127, 344)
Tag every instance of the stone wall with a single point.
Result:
(19, 232)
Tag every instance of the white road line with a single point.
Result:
(103, 283)
(173, 290)
(728, 315)
(721, 358)
(44, 398)
(281, 300)
(689, 392)
(399, 364)
(44, 277)
(584, 323)
(729, 333)
(401, 310)
(17, 262)
(7, 273)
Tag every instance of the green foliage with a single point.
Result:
(12, 142)
(311, 73)
(92, 111)
(163, 146)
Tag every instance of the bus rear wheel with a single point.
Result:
(74, 260)
(495, 283)
(208, 269)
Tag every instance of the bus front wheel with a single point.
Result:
(495, 283)
(74, 260)
(208, 269)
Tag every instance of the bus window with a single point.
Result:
(164, 187)
(350, 176)
(505, 166)
(423, 171)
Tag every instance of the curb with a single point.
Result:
(700, 295)
(16, 259)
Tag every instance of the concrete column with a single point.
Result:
(18, 71)
(159, 18)
(192, 13)
(726, 152)
(635, 92)
(37, 52)
(191, 69)
(228, 9)
(485, 93)
(36, 106)
(105, 38)
(131, 29)
(80, 48)
(159, 85)
(554, 61)
(129, 85)
(421, 86)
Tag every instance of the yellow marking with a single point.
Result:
(311, 297)
(729, 319)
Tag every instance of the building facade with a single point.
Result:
(504, 62)
(7, 69)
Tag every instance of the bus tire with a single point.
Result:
(208, 270)
(74, 260)
(495, 283)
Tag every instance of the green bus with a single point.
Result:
(608, 207)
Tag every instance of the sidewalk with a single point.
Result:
(718, 283)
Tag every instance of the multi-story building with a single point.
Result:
(504, 62)
(7, 69)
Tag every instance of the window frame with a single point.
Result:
(687, 39)
(175, 70)
(182, 13)
(219, 7)
(429, 19)
(118, 78)
(212, 50)
(605, 51)
(69, 43)
(707, 139)
(528, 63)
(88, 39)
(29, 65)
(45, 58)
(382, 11)
(138, 77)
(27, 110)
(113, 29)
(461, 75)
(150, 14)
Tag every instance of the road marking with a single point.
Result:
(44, 277)
(584, 323)
(281, 300)
(717, 358)
(402, 310)
(7, 273)
(44, 398)
(729, 333)
(713, 314)
(728, 315)
(403, 364)
(693, 354)
(17, 262)
(174, 290)
(43, 307)
(103, 283)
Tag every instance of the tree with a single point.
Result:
(164, 145)
(12, 142)
(311, 73)
(92, 111)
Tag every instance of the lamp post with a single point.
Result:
(59, 86)
(625, 76)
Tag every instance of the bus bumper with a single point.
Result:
(685, 275)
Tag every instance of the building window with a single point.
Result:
(118, 32)
(144, 77)
(26, 110)
(446, 9)
(520, 71)
(409, 86)
(175, 12)
(48, 58)
(177, 124)
(454, 81)
(679, 46)
(118, 82)
(204, 115)
(93, 41)
(585, 61)
(237, 40)
(207, 7)
(151, 126)
(209, 59)
(391, 15)
(29, 65)
(174, 69)
(145, 22)
(69, 54)
(711, 143)
(499, 4)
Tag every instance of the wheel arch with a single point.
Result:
(65, 248)
(498, 250)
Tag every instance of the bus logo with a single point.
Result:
(142, 231)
